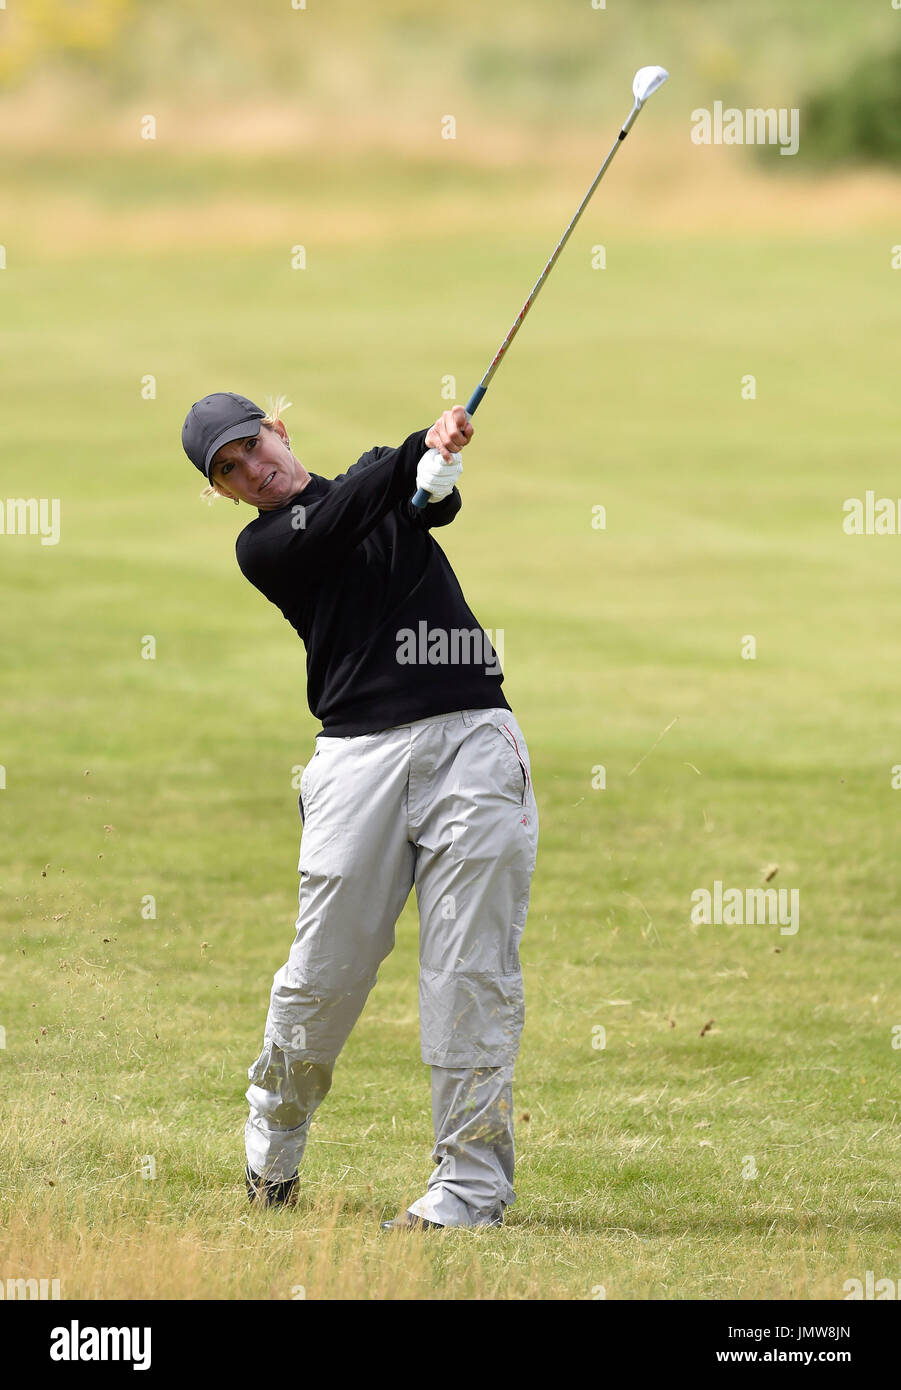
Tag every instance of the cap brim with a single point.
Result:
(245, 430)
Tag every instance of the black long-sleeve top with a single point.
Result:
(352, 566)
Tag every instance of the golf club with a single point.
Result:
(644, 84)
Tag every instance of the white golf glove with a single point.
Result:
(437, 476)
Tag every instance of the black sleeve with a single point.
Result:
(309, 539)
(436, 513)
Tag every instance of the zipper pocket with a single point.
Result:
(526, 779)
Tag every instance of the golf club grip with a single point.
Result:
(420, 496)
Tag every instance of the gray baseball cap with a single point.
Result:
(216, 420)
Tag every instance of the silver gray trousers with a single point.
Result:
(445, 805)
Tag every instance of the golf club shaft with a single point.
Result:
(421, 497)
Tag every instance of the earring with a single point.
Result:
(237, 501)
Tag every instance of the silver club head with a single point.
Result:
(646, 81)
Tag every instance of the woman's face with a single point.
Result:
(260, 470)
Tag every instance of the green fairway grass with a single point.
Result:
(128, 1037)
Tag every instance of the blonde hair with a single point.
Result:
(275, 406)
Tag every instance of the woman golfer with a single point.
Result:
(420, 778)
